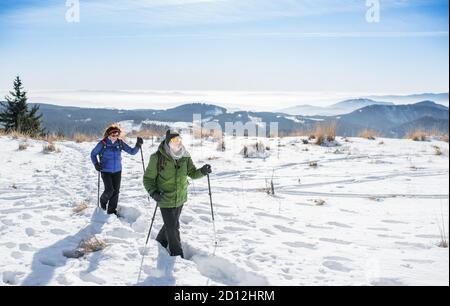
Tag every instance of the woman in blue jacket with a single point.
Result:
(109, 163)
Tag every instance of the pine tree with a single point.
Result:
(16, 116)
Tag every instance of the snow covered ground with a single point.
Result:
(378, 225)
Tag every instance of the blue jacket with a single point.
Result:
(111, 158)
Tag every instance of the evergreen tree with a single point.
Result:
(16, 116)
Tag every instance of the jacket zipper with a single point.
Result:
(176, 182)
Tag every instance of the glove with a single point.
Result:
(158, 196)
(98, 166)
(139, 142)
(206, 169)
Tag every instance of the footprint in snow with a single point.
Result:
(58, 231)
(25, 216)
(394, 222)
(336, 266)
(162, 274)
(30, 232)
(336, 241)
(429, 236)
(339, 224)
(386, 282)
(16, 255)
(90, 278)
(412, 245)
(379, 229)
(221, 270)
(54, 218)
(288, 230)
(26, 247)
(11, 277)
(300, 244)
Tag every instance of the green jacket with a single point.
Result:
(172, 180)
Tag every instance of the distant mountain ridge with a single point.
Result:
(392, 120)
(388, 119)
(441, 98)
(343, 107)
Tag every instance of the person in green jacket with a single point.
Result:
(166, 181)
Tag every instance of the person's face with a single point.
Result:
(175, 144)
(114, 135)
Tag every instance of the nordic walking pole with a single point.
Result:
(151, 224)
(146, 242)
(98, 190)
(212, 210)
(142, 158)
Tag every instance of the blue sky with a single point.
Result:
(248, 45)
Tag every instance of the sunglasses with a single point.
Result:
(116, 133)
(176, 139)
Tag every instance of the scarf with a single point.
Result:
(176, 155)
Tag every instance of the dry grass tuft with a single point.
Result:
(443, 243)
(202, 133)
(437, 151)
(92, 244)
(49, 148)
(418, 135)
(80, 207)
(23, 146)
(79, 138)
(369, 134)
(319, 202)
(324, 132)
(313, 164)
(147, 133)
(221, 146)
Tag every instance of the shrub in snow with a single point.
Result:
(328, 143)
(270, 187)
(417, 135)
(49, 148)
(80, 207)
(437, 150)
(17, 135)
(443, 243)
(368, 134)
(23, 146)
(221, 146)
(150, 132)
(92, 244)
(319, 202)
(254, 150)
(325, 134)
(313, 164)
(79, 138)
(86, 246)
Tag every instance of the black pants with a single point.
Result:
(110, 196)
(169, 235)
